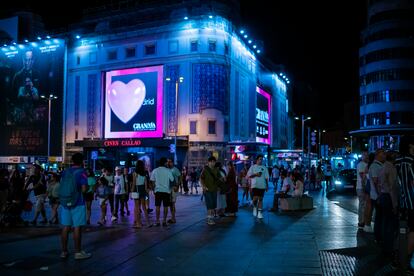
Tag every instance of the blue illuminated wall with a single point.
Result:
(210, 87)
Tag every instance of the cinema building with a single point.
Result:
(144, 81)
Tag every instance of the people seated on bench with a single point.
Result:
(286, 190)
(297, 185)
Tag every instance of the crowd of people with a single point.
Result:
(385, 190)
(113, 189)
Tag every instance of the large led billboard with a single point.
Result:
(263, 123)
(133, 103)
(27, 72)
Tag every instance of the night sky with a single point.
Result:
(317, 41)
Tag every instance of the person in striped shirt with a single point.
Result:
(405, 173)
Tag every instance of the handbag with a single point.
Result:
(224, 187)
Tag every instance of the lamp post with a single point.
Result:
(319, 143)
(177, 82)
(50, 98)
(303, 130)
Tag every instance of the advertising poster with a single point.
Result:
(133, 103)
(263, 124)
(27, 72)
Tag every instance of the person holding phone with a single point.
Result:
(259, 176)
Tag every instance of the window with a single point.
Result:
(211, 127)
(92, 58)
(130, 52)
(193, 127)
(149, 49)
(194, 46)
(226, 128)
(226, 49)
(173, 47)
(112, 55)
(77, 60)
(212, 46)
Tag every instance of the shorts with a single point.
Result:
(142, 193)
(211, 200)
(75, 216)
(258, 192)
(40, 202)
(162, 197)
(102, 201)
(173, 197)
(88, 196)
(53, 200)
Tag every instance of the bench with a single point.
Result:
(296, 203)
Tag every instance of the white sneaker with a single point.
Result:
(210, 222)
(259, 215)
(82, 255)
(114, 218)
(254, 211)
(368, 229)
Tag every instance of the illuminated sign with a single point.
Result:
(263, 124)
(28, 71)
(122, 143)
(133, 103)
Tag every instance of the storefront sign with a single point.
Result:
(13, 159)
(133, 103)
(263, 115)
(122, 143)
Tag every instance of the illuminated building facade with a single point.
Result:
(125, 99)
(387, 73)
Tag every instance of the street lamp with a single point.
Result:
(177, 82)
(50, 98)
(303, 130)
(319, 142)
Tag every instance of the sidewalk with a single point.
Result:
(323, 241)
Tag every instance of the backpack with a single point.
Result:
(68, 189)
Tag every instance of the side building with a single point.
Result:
(145, 82)
(387, 73)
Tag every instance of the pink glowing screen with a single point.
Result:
(263, 116)
(133, 103)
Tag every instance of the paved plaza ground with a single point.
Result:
(322, 241)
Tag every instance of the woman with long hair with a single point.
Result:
(244, 183)
(53, 195)
(232, 196)
(140, 190)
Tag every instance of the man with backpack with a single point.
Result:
(73, 183)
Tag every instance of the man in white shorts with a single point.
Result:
(259, 176)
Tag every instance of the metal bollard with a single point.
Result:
(402, 246)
